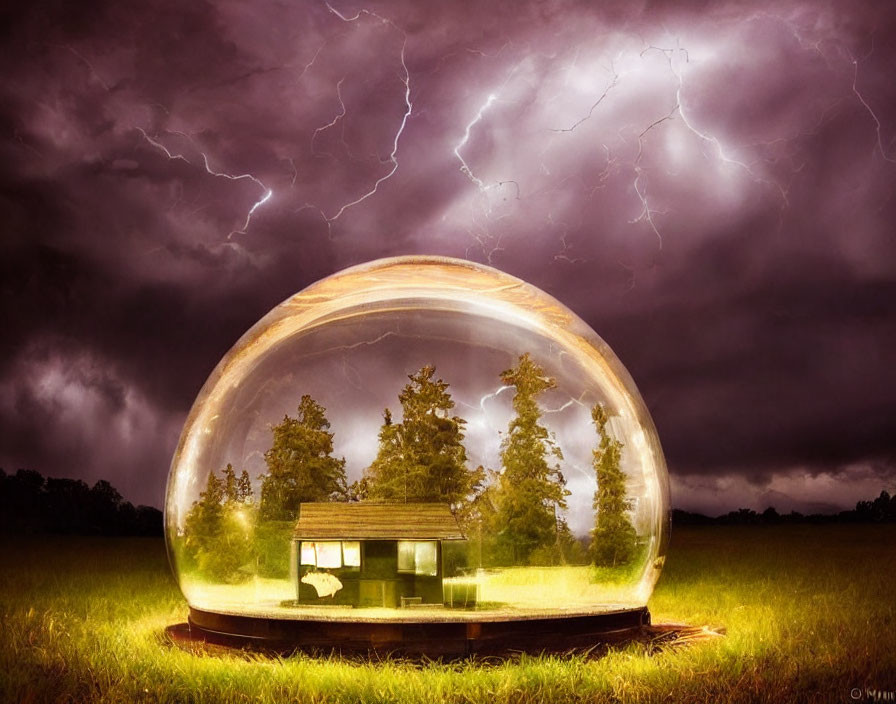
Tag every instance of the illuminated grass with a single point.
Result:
(810, 613)
(571, 587)
(509, 591)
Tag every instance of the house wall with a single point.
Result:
(378, 583)
(347, 596)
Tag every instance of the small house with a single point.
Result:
(372, 554)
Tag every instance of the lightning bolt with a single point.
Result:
(464, 167)
(351, 19)
(689, 124)
(162, 147)
(572, 401)
(307, 67)
(406, 80)
(647, 213)
(604, 175)
(492, 395)
(562, 256)
(239, 177)
(363, 343)
(349, 371)
(266, 192)
(877, 126)
(487, 242)
(335, 120)
(613, 82)
(815, 45)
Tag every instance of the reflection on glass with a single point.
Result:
(418, 432)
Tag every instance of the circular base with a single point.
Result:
(421, 638)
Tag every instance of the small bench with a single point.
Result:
(407, 601)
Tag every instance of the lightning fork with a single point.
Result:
(267, 192)
(877, 126)
(406, 80)
(335, 120)
(239, 177)
(464, 167)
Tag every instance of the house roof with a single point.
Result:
(377, 521)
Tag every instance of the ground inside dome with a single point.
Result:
(516, 592)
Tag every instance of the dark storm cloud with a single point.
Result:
(710, 186)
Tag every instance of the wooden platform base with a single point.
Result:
(415, 639)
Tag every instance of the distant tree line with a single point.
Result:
(29, 503)
(879, 510)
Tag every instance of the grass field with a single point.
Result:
(809, 611)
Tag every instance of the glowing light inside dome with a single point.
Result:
(386, 320)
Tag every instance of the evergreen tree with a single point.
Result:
(387, 478)
(530, 492)
(614, 540)
(203, 523)
(301, 466)
(423, 457)
(231, 493)
(244, 488)
(218, 531)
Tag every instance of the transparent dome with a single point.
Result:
(418, 438)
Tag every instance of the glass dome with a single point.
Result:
(418, 439)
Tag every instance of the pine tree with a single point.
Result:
(231, 493)
(530, 492)
(300, 464)
(388, 477)
(218, 530)
(614, 539)
(244, 488)
(423, 457)
(203, 523)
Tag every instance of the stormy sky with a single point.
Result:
(709, 185)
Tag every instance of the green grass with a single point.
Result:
(810, 613)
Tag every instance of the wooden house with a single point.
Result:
(371, 554)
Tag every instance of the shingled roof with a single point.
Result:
(376, 521)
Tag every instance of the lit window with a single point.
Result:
(308, 556)
(425, 559)
(329, 554)
(419, 557)
(405, 556)
(332, 554)
(351, 553)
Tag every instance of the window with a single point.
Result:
(328, 554)
(420, 557)
(351, 553)
(425, 558)
(405, 556)
(308, 555)
(331, 554)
